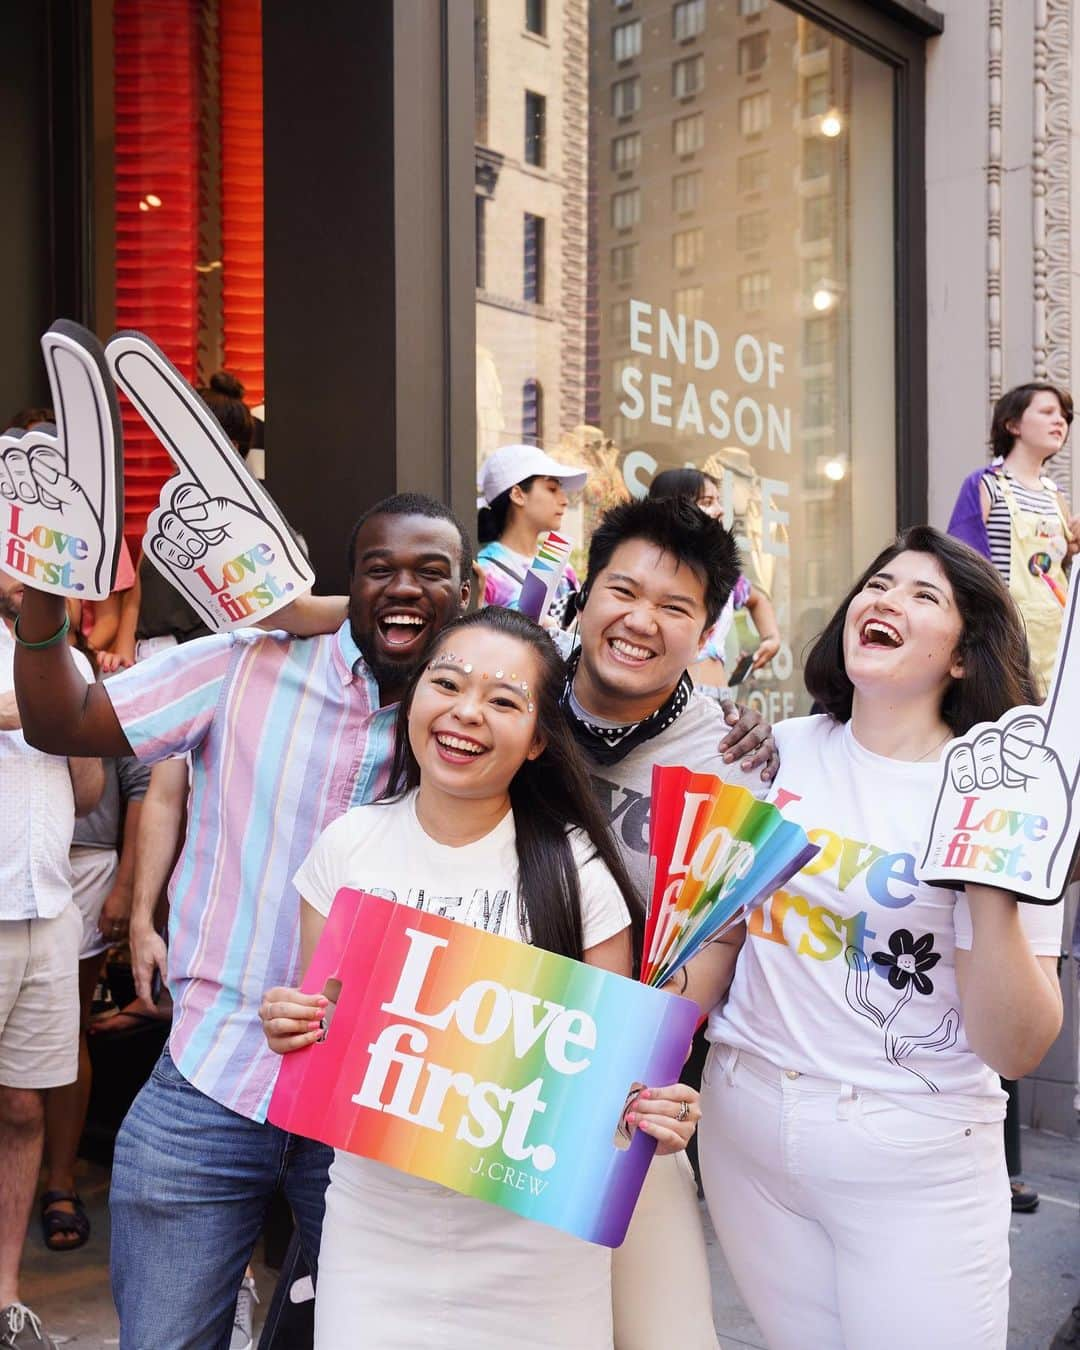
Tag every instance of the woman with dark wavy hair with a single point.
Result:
(491, 821)
(851, 1104)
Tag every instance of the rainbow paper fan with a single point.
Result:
(715, 854)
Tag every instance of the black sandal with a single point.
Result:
(55, 1222)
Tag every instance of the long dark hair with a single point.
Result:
(684, 482)
(491, 520)
(1012, 405)
(549, 795)
(993, 644)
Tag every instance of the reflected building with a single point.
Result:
(531, 219)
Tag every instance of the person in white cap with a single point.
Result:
(524, 492)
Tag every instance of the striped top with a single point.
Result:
(285, 735)
(1041, 502)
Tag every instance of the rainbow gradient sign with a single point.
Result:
(489, 1066)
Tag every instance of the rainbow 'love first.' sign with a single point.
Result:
(489, 1066)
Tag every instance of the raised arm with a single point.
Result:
(1011, 998)
(61, 713)
(309, 616)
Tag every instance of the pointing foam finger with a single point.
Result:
(962, 768)
(18, 465)
(172, 528)
(178, 417)
(170, 554)
(987, 755)
(85, 404)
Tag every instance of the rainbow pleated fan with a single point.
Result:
(715, 854)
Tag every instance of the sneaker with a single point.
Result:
(1068, 1334)
(243, 1318)
(1025, 1200)
(20, 1329)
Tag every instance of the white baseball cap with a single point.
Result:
(511, 464)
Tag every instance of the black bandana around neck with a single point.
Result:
(609, 745)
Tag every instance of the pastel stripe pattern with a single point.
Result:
(489, 1066)
(285, 735)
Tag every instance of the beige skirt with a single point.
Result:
(407, 1264)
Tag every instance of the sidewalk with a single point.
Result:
(70, 1291)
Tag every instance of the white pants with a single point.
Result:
(850, 1223)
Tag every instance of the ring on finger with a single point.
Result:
(684, 1112)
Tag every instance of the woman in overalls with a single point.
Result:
(1014, 514)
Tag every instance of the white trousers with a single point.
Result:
(850, 1223)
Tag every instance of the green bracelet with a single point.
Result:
(58, 636)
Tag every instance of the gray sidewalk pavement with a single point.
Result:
(71, 1290)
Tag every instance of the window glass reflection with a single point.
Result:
(689, 261)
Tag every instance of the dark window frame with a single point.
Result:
(533, 269)
(535, 153)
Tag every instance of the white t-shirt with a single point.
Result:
(37, 805)
(383, 848)
(849, 972)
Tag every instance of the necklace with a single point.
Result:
(929, 752)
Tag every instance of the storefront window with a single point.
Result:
(178, 178)
(717, 280)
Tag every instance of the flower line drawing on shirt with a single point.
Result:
(907, 960)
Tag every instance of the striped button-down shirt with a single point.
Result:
(285, 734)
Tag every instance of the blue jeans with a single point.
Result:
(191, 1184)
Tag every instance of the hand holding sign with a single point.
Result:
(1005, 812)
(61, 487)
(215, 534)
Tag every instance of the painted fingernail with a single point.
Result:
(317, 1025)
(646, 1092)
(632, 1119)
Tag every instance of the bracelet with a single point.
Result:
(58, 636)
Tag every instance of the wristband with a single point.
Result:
(58, 636)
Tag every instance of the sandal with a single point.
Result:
(55, 1222)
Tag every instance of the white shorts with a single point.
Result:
(92, 874)
(39, 1000)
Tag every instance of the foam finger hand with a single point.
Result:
(22, 480)
(961, 768)
(987, 756)
(171, 555)
(172, 528)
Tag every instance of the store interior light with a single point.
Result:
(835, 470)
(152, 199)
(832, 124)
(214, 266)
(823, 299)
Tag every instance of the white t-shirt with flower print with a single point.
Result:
(849, 972)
